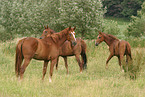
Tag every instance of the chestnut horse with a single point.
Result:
(68, 49)
(116, 47)
(46, 49)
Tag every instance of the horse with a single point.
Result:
(117, 47)
(67, 49)
(46, 49)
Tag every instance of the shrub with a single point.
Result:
(137, 27)
(122, 8)
(4, 35)
(111, 28)
(134, 67)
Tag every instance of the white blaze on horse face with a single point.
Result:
(73, 33)
(98, 36)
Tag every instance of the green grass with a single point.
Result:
(96, 81)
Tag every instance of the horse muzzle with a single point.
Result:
(96, 44)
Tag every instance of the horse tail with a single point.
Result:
(18, 57)
(83, 54)
(128, 48)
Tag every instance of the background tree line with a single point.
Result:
(27, 17)
(122, 8)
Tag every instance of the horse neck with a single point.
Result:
(60, 37)
(109, 40)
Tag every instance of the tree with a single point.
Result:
(130, 7)
(28, 17)
(114, 7)
(86, 15)
(122, 8)
(137, 26)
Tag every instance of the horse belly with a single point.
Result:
(41, 56)
(66, 53)
(42, 52)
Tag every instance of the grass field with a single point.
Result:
(96, 81)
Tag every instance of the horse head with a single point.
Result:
(47, 31)
(71, 35)
(100, 38)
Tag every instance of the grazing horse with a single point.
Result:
(116, 47)
(46, 49)
(68, 49)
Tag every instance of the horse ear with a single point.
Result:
(74, 28)
(100, 32)
(69, 28)
(47, 26)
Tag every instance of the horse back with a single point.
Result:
(29, 47)
(124, 48)
(68, 50)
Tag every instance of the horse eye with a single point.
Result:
(69, 34)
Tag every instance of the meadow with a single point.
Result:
(96, 81)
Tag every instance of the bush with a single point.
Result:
(136, 42)
(137, 27)
(130, 7)
(134, 67)
(4, 35)
(111, 28)
(122, 8)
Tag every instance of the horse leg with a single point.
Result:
(44, 68)
(82, 60)
(120, 60)
(66, 66)
(79, 62)
(57, 63)
(53, 62)
(110, 56)
(22, 70)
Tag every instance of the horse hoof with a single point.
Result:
(50, 80)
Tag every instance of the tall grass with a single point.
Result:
(94, 82)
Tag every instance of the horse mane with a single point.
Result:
(111, 36)
(57, 36)
(52, 31)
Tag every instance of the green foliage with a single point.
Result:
(130, 7)
(27, 17)
(137, 26)
(86, 15)
(111, 28)
(4, 35)
(122, 8)
(136, 42)
(114, 7)
(134, 67)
